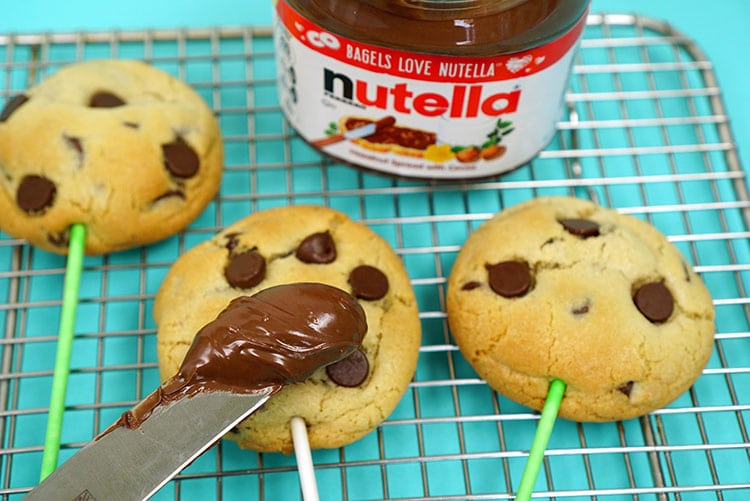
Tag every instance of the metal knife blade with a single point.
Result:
(132, 464)
(357, 132)
(362, 131)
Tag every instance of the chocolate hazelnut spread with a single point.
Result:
(408, 138)
(486, 76)
(280, 335)
(456, 27)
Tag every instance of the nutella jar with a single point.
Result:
(440, 89)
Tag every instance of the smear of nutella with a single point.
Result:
(280, 335)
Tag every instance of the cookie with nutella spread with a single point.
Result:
(254, 345)
(120, 146)
(562, 288)
(344, 401)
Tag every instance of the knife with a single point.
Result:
(254, 347)
(132, 464)
(357, 132)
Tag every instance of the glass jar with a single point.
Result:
(440, 89)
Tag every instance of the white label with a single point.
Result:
(434, 116)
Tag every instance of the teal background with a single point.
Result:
(115, 316)
(720, 28)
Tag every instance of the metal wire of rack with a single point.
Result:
(645, 131)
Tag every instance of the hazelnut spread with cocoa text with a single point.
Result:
(280, 335)
(442, 89)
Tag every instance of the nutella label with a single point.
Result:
(415, 114)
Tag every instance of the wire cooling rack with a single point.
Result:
(645, 132)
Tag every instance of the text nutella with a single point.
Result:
(441, 89)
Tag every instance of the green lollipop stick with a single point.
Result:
(541, 439)
(71, 286)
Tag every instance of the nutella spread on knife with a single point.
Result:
(472, 88)
(280, 335)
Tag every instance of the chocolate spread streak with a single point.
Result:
(280, 335)
(392, 134)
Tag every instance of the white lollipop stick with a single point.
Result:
(304, 459)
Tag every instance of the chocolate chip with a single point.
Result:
(581, 309)
(232, 240)
(581, 227)
(180, 159)
(509, 278)
(245, 270)
(350, 371)
(654, 301)
(132, 125)
(35, 193)
(61, 239)
(317, 248)
(468, 286)
(368, 282)
(105, 99)
(626, 388)
(12, 105)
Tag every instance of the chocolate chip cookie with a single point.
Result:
(562, 288)
(344, 401)
(124, 148)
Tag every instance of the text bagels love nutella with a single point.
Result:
(419, 114)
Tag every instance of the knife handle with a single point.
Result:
(328, 140)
